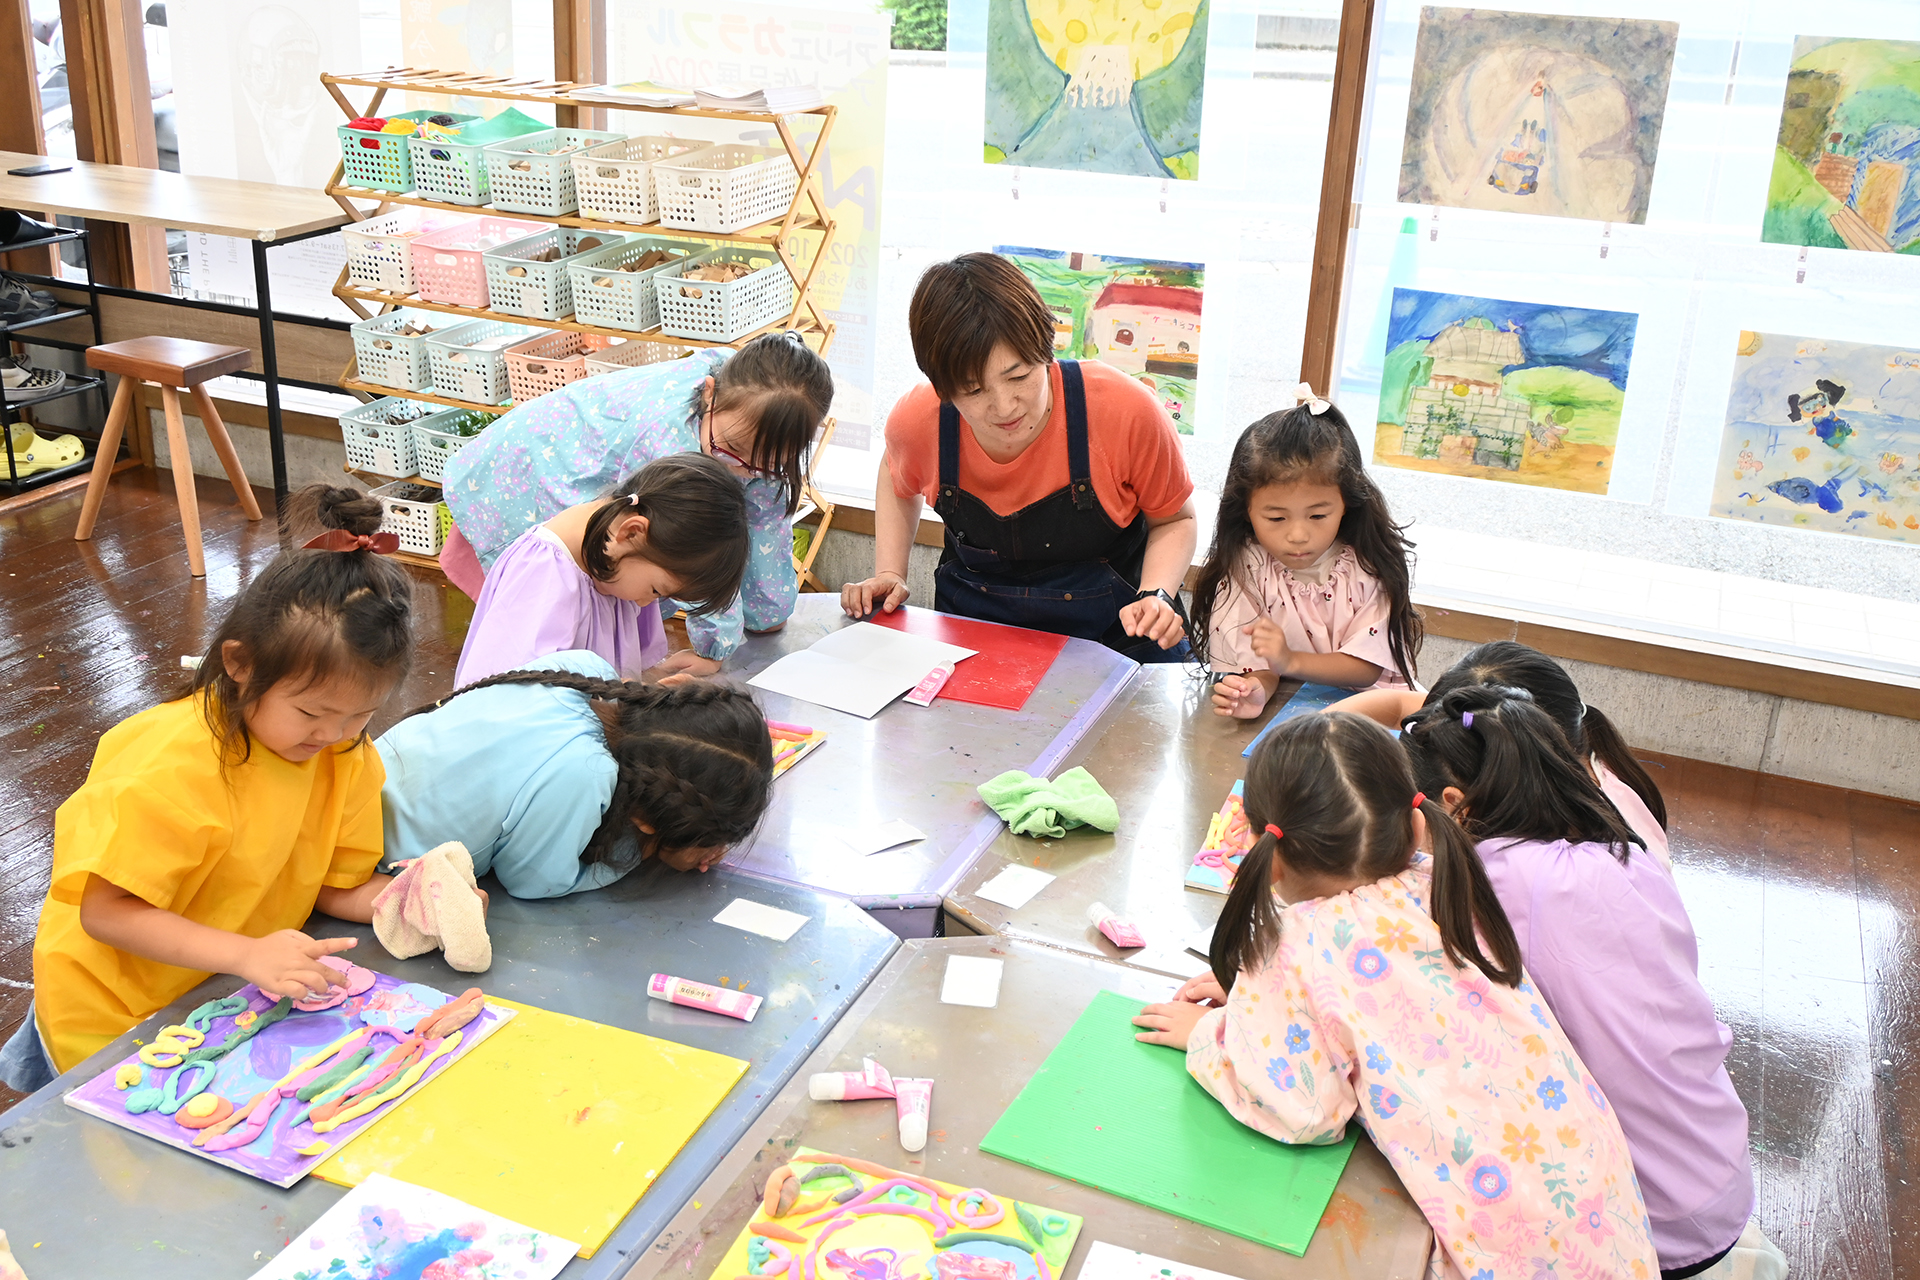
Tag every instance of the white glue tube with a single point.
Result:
(871, 1081)
(698, 995)
(913, 1099)
(1120, 931)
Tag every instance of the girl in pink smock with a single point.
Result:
(1604, 935)
(1375, 982)
(592, 577)
(1308, 577)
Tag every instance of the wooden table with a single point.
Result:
(259, 212)
(980, 1059)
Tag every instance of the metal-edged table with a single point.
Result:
(980, 1059)
(99, 1200)
(920, 764)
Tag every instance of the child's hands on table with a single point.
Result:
(1169, 1024)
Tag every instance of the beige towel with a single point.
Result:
(433, 903)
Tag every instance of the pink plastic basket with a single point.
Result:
(549, 362)
(448, 265)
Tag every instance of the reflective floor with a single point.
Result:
(1805, 898)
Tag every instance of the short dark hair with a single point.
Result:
(962, 309)
(787, 389)
(696, 514)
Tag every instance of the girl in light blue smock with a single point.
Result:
(561, 778)
(757, 409)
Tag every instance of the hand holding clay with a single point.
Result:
(1169, 1024)
(1155, 619)
(1270, 642)
(1241, 697)
(287, 963)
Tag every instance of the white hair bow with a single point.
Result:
(1303, 395)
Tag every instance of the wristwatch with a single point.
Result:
(1159, 593)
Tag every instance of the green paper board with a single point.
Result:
(1125, 1117)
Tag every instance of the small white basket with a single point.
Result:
(614, 180)
(448, 265)
(725, 187)
(388, 358)
(451, 171)
(380, 250)
(469, 360)
(720, 311)
(632, 353)
(379, 435)
(416, 515)
(438, 436)
(527, 177)
(605, 295)
(521, 286)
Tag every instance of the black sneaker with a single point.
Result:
(18, 302)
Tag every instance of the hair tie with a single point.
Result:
(1466, 720)
(1303, 395)
(381, 544)
(1274, 831)
(1419, 798)
(633, 499)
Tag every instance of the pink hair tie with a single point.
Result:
(1274, 831)
(1419, 798)
(381, 544)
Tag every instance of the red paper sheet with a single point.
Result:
(1007, 667)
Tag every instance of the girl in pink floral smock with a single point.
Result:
(1353, 1003)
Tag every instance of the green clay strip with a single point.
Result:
(1030, 1224)
(308, 1092)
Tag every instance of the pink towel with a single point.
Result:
(434, 902)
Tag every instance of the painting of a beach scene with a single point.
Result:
(1846, 168)
(1823, 435)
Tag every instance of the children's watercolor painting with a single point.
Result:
(1523, 392)
(1102, 88)
(385, 1229)
(1846, 170)
(1822, 435)
(1536, 113)
(1136, 314)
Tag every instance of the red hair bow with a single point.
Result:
(381, 544)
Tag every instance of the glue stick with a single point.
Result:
(913, 1099)
(1120, 931)
(698, 995)
(871, 1081)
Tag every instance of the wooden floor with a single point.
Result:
(1805, 898)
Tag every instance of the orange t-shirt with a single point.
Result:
(1132, 448)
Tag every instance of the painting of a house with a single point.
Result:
(1846, 167)
(1139, 315)
(1521, 392)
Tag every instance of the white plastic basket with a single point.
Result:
(380, 250)
(382, 161)
(450, 171)
(415, 513)
(469, 360)
(725, 187)
(603, 294)
(633, 353)
(549, 362)
(527, 177)
(521, 286)
(720, 311)
(438, 436)
(448, 266)
(379, 435)
(614, 180)
(388, 358)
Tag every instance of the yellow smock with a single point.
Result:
(246, 850)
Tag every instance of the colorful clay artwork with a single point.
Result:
(827, 1217)
(271, 1086)
(1227, 842)
(792, 743)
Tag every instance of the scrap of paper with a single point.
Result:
(757, 917)
(384, 1225)
(972, 980)
(1014, 886)
(880, 836)
(1111, 1262)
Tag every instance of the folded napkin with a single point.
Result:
(434, 902)
(1036, 807)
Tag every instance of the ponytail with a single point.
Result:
(1464, 905)
(696, 513)
(1249, 925)
(1604, 743)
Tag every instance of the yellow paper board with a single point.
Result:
(553, 1121)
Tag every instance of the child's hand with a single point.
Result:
(1239, 696)
(682, 662)
(1204, 990)
(1169, 1024)
(1155, 619)
(1269, 642)
(287, 963)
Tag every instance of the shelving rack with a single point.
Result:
(13, 483)
(807, 213)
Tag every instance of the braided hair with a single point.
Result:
(694, 761)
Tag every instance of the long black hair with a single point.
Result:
(1519, 666)
(695, 761)
(1296, 446)
(786, 388)
(1338, 787)
(1519, 777)
(696, 514)
(310, 617)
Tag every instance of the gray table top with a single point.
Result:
(99, 1200)
(1168, 762)
(980, 1059)
(920, 764)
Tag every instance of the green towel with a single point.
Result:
(1035, 807)
(510, 123)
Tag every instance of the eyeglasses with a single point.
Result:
(721, 451)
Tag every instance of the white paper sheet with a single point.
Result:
(972, 980)
(1201, 944)
(858, 669)
(1110, 1262)
(1014, 886)
(758, 917)
(880, 836)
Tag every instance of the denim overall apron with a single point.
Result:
(1059, 564)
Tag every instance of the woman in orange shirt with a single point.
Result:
(1066, 498)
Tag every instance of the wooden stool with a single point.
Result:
(172, 364)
